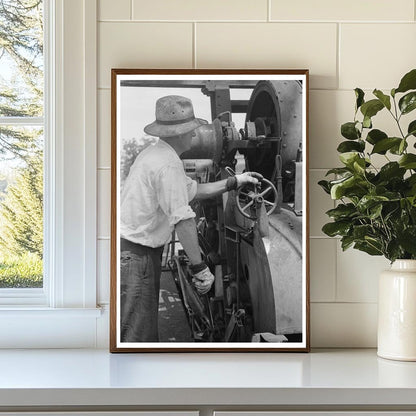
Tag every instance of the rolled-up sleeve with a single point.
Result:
(173, 194)
(191, 186)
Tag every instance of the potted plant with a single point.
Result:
(376, 207)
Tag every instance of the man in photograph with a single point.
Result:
(154, 202)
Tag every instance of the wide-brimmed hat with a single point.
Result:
(174, 116)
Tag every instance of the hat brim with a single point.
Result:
(165, 130)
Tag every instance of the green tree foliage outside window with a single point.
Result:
(21, 146)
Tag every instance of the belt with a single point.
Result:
(126, 245)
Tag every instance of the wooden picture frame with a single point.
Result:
(256, 120)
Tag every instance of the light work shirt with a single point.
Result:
(155, 196)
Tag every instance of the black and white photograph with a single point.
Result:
(209, 211)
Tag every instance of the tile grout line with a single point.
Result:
(355, 302)
(269, 11)
(194, 63)
(310, 90)
(338, 64)
(307, 22)
(322, 237)
(311, 169)
(131, 9)
(336, 272)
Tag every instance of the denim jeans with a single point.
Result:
(140, 269)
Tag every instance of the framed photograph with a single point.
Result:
(209, 211)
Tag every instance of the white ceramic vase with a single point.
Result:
(397, 312)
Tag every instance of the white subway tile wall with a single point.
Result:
(357, 275)
(270, 45)
(114, 10)
(319, 203)
(328, 109)
(103, 269)
(345, 44)
(104, 128)
(323, 269)
(142, 45)
(104, 202)
(375, 55)
(339, 325)
(352, 10)
(200, 10)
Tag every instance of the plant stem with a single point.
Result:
(388, 234)
(397, 118)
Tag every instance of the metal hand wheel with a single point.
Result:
(254, 198)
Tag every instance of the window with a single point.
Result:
(63, 312)
(22, 128)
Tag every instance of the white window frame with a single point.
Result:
(64, 312)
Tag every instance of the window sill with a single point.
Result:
(40, 327)
(35, 311)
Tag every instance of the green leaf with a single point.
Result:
(333, 229)
(359, 232)
(359, 94)
(350, 187)
(342, 179)
(371, 108)
(346, 242)
(325, 186)
(375, 136)
(411, 186)
(393, 250)
(391, 170)
(349, 146)
(374, 242)
(349, 131)
(338, 189)
(369, 201)
(408, 82)
(408, 102)
(407, 240)
(385, 99)
(393, 92)
(342, 211)
(359, 165)
(375, 212)
(367, 122)
(408, 161)
(348, 158)
(391, 212)
(398, 149)
(411, 180)
(402, 147)
(368, 248)
(383, 145)
(411, 130)
(338, 171)
(412, 201)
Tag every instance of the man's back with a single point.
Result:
(154, 189)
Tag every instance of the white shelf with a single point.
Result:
(58, 378)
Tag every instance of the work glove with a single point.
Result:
(203, 281)
(248, 177)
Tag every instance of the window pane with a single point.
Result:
(21, 207)
(21, 58)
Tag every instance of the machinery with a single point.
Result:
(251, 238)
